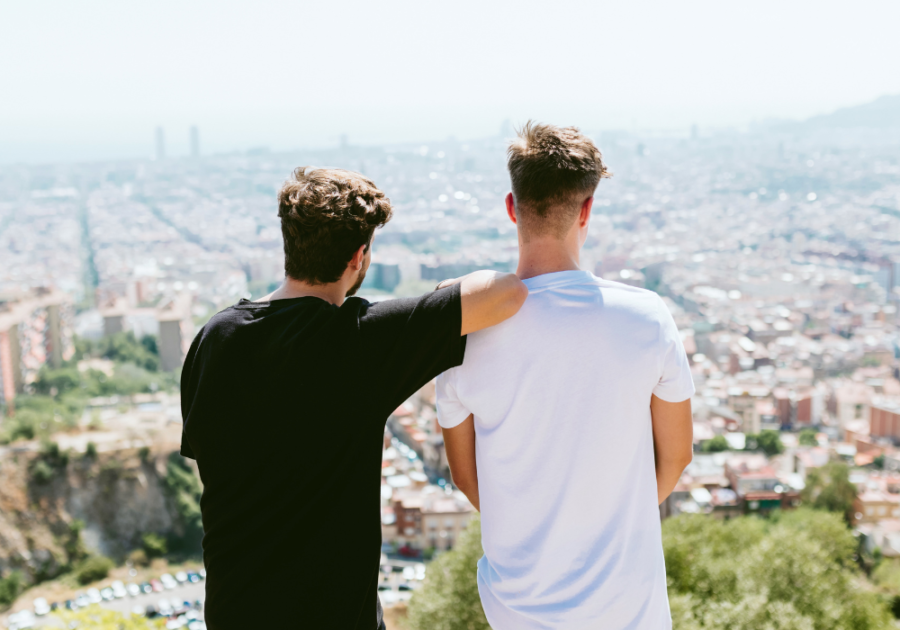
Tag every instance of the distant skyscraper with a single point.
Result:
(195, 142)
(160, 144)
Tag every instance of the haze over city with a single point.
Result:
(92, 81)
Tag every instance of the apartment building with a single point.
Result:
(35, 329)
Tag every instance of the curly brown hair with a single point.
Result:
(552, 171)
(326, 215)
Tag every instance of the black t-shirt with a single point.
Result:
(284, 407)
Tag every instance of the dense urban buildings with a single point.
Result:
(777, 250)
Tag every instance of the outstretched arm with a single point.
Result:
(673, 441)
(459, 443)
(488, 298)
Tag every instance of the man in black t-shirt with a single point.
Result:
(285, 401)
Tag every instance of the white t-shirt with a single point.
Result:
(564, 447)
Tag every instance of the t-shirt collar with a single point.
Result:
(558, 278)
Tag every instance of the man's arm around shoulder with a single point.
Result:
(488, 298)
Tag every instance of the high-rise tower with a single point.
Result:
(195, 142)
(160, 144)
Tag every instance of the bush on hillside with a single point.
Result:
(154, 545)
(184, 487)
(829, 488)
(449, 598)
(93, 569)
(10, 586)
(794, 571)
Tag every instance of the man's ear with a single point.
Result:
(356, 262)
(585, 215)
(511, 207)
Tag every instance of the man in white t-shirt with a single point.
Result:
(568, 424)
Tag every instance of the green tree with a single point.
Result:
(716, 445)
(154, 545)
(10, 586)
(449, 598)
(829, 488)
(807, 437)
(792, 572)
(185, 490)
(93, 569)
(768, 441)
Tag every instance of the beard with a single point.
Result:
(359, 280)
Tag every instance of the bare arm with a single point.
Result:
(459, 443)
(673, 441)
(488, 298)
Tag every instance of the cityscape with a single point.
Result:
(776, 248)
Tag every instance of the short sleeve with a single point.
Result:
(408, 342)
(451, 411)
(675, 381)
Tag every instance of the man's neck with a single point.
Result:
(546, 255)
(333, 292)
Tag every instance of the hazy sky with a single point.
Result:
(91, 80)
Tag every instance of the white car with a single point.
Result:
(41, 607)
(164, 607)
(181, 577)
(20, 620)
(133, 589)
(197, 625)
(168, 581)
(94, 596)
(119, 589)
(107, 594)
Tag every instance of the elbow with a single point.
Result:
(685, 458)
(465, 483)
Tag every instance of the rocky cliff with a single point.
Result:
(56, 505)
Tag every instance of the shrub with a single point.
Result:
(10, 586)
(90, 452)
(767, 441)
(139, 558)
(716, 445)
(154, 545)
(807, 437)
(144, 453)
(829, 488)
(449, 598)
(93, 569)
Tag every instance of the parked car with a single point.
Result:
(193, 577)
(181, 577)
(165, 608)
(94, 596)
(41, 607)
(168, 581)
(133, 589)
(119, 589)
(20, 620)
(107, 594)
(146, 588)
(157, 585)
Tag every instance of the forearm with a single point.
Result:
(668, 472)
